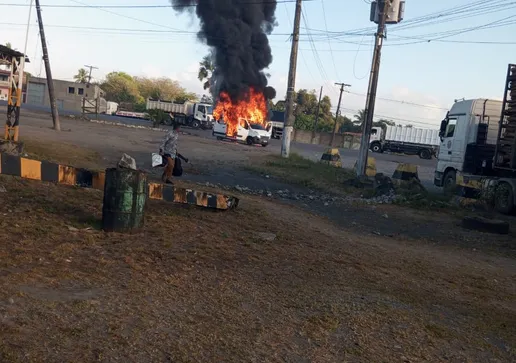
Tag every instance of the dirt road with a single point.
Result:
(331, 280)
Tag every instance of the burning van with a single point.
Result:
(248, 132)
(243, 120)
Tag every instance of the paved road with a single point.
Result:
(385, 163)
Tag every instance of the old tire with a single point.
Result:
(376, 148)
(425, 154)
(504, 198)
(450, 182)
(485, 225)
(249, 141)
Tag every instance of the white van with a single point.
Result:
(250, 133)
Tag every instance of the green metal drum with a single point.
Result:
(125, 193)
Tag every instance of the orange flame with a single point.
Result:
(254, 109)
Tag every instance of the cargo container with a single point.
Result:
(405, 140)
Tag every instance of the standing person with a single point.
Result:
(168, 149)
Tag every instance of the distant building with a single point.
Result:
(69, 95)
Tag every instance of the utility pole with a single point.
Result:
(318, 108)
(91, 68)
(316, 116)
(384, 13)
(48, 71)
(342, 85)
(289, 109)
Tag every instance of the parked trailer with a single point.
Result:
(196, 115)
(405, 140)
(477, 155)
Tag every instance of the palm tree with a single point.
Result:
(359, 118)
(206, 70)
(81, 76)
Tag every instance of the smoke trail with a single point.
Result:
(237, 32)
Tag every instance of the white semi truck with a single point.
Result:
(277, 120)
(250, 133)
(477, 154)
(405, 140)
(196, 115)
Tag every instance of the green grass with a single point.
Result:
(300, 171)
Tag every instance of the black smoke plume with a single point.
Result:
(236, 30)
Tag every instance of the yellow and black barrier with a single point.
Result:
(405, 172)
(68, 175)
(50, 172)
(370, 167)
(173, 194)
(332, 157)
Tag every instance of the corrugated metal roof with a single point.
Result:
(12, 52)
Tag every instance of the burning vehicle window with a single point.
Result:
(257, 127)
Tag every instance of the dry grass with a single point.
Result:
(201, 286)
(62, 153)
(298, 170)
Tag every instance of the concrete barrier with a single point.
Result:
(68, 175)
(370, 167)
(332, 157)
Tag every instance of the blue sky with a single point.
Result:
(426, 73)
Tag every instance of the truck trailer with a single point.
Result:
(196, 115)
(405, 140)
(477, 155)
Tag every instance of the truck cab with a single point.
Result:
(202, 116)
(468, 137)
(248, 132)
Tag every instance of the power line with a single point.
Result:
(160, 6)
(329, 42)
(401, 101)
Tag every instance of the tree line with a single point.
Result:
(306, 114)
(121, 87)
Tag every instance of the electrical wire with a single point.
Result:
(329, 42)
(160, 6)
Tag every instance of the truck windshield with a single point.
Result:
(257, 127)
(209, 110)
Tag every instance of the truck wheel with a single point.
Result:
(504, 198)
(220, 138)
(195, 124)
(376, 147)
(450, 182)
(168, 121)
(425, 154)
(249, 141)
(265, 144)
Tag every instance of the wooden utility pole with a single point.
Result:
(317, 116)
(289, 109)
(342, 85)
(89, 76)
(48, 71)
(371, 92)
